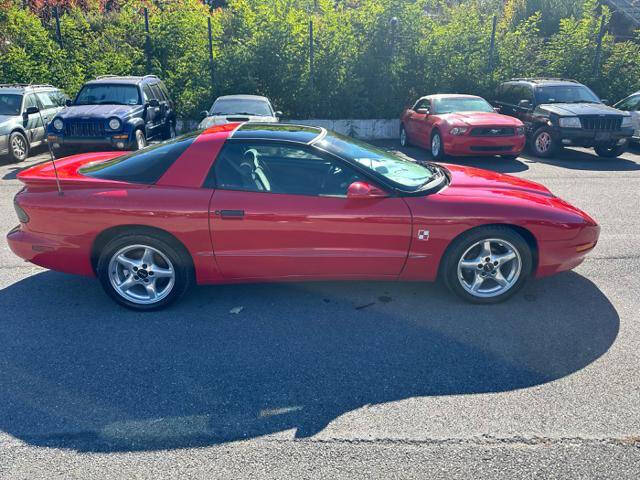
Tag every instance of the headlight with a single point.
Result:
(114, 124)
(458, 130)
(626, 121)
(569, 122)
(519, 131)
(58, 124)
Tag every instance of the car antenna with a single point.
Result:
(53, 158)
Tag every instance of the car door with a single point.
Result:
(163, 108)
(417, 122)
(48, 107)
(151, 113)
(280, 210)
(32, 123)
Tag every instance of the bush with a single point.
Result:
(371, 57)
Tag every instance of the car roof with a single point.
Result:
(20, 88)
(438, 96)
(277, 131)
(546, 81)
(242, 97)
(125, 80)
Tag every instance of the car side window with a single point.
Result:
(164, 90)
(146, 93)
(156, 92)
(276, 168)
(30, 101)
(630, 104)
(424, 103)
(45, 100)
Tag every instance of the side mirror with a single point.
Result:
(423, 111)
(154, 103)
(524, 104)
(278, 113)
(605, 101)
(68, 102)
(496, 109)
(31, 110)
(365, 190)
(204, 114)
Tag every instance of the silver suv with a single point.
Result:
(21, 127)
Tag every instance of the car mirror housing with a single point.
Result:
(365, 190)
(31, 111)
(278, 113)
(605, 101)
(153, 103)
(423, 111)
(68, 102)
(524, 104)
(204, 114)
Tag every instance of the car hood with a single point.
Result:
(481, 118)
(212, 120)
(564, 109)
(468, 181)
(97, 111)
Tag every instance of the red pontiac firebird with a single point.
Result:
(260, 202)
(461, 125)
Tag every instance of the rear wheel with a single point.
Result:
(610, 151)
(437, 147)
(18, 147)
(169, 131)
(487, 265)
(142, 272)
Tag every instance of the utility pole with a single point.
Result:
(596, 60)
(492, 44)
(147, 40)
(210, 52)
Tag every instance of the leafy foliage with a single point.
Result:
(371, 57)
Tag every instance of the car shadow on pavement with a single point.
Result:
(79, 372)
(581, 160)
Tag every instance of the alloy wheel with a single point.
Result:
(403, 137)
(489, 268)
(543, 142)
(435, 145)
(141, 274)
(19, 147)
(141, 142)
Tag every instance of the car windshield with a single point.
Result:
(460, 104)
(10, 104)
(566, 94)
(105, 94)
(229, 106)
(403, 173)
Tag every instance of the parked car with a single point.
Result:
(631, 104)
(114, 113)
(280, 202)
(460, 125)
(559, 112)
(239, 108)
(21, 127)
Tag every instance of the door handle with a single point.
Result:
(230, 213)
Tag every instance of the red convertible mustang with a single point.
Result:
(461, 125)
(259, 202)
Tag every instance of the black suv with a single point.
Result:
(559, 112)
(112, 112)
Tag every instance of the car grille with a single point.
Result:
(493, 132)
(606, 123)
(84, 128)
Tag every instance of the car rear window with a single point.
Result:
(144, 166)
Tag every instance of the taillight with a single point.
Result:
(22, 215)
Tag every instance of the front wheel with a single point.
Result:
(437, 147)
(610, 151)
(142, 272)
(487, 265)
(543, 143)
(18, 147)
(141, 140)
(404, 139)
(169, 131)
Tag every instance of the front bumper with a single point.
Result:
(562, 255)
(589, 138)
(467, 145)
(117, 141)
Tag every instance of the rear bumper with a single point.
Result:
(466, 145)
(559, 256)
(50, 251)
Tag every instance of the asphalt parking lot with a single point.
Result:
(335, 380)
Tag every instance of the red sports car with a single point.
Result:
(461, 125)
(260, 202)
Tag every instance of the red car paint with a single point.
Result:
(287, 237)
(420, 127)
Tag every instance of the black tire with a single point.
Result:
(18, 147)
(169, 130)
(179, 258)
(404, 137)
(139, 140)
(610, 151)
(543, 143)
(440, 154)
(462, 244)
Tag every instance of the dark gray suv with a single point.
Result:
(559, 112)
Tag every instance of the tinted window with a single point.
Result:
(277, 168)
(146, 92)
(233, 106)
(164, 90)
(106, 94)
(460, 104)
(144, 166)
(10, 104)
(46, 100)
(156, 92)
(424, 103)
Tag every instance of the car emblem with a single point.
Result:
(423, 234)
